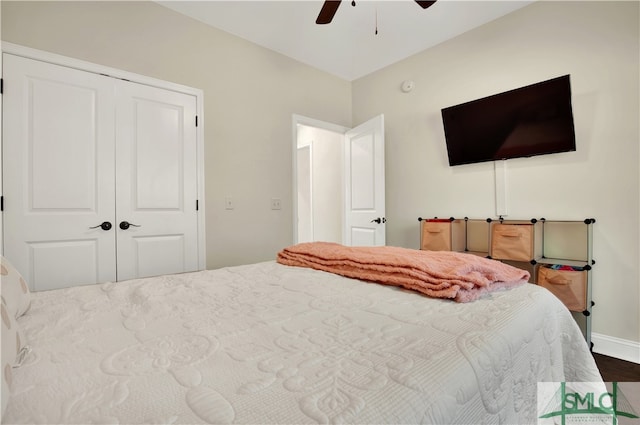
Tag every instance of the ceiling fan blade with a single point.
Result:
(425, 4)
(327, 12)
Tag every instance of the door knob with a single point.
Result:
(105, 225)
(377, 220)
(124, 225)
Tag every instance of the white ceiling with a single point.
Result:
(347, 47)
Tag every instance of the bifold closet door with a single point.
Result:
(58, 174)
(156, 181)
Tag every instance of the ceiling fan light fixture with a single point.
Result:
(425, 4)
(330, 7)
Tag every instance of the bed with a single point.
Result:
(271, 343)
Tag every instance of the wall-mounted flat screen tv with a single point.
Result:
(531, 120)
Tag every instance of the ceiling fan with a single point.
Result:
(330, 7)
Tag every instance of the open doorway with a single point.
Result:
(319, 179)
(338, 182)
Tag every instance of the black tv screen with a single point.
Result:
(531, 120)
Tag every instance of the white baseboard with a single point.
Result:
(616, 347)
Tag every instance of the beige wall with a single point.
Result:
(597, 43)
(250, 95)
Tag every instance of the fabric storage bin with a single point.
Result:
(569, 285)
(517, 241)
(442, 235)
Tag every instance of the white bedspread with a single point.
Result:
(267, 343)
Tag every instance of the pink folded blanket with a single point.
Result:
(441, 274)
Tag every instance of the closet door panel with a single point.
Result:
(159, 254)
(158, 163)
(156, 181)
(58, 169)
(57, 131)
(49, 272)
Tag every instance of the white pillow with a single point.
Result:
(6, 386)
(13, 350)
(14, 290)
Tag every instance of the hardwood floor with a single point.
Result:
(616, 370)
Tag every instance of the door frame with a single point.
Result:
(53, 58)
(310, 122)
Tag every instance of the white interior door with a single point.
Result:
(156, 176)
(82, 154)
(365, 184)
(58, 173)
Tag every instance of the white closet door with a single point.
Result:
(156, 181)
(58, 166)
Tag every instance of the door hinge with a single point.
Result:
(1, 85)
(1, 203)
(197, 205)
(196, 120)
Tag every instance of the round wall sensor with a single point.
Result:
(407, 86)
